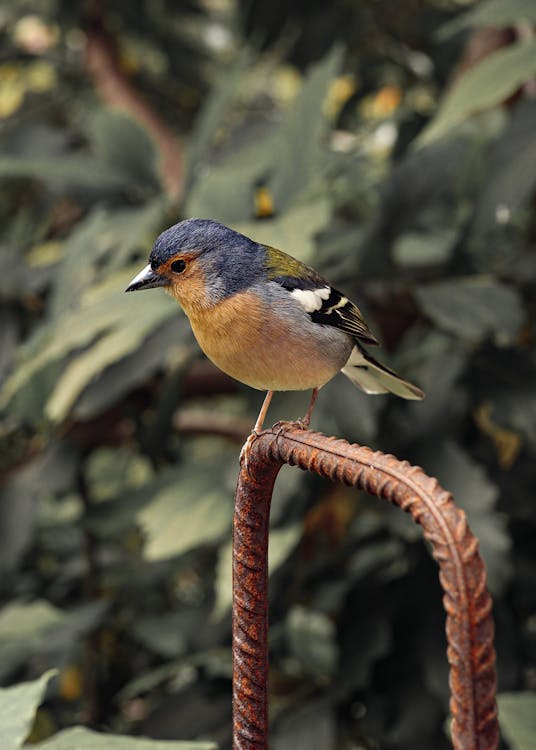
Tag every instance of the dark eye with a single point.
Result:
(178, 266)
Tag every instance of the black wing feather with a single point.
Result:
(337, 310)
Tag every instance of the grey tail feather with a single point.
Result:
(372, 377)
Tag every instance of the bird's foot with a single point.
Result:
(246, 451)
(293, 424)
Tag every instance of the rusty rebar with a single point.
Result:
(469, 622)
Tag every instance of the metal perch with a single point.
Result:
(469, 622)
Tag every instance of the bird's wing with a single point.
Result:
(318, 298)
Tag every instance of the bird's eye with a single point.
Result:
(178, 266)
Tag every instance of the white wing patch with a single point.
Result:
(311, 299)
(341, 303)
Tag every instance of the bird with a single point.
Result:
(264, 317)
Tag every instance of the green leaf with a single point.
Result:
(87, 366)
(151, 679)
(294, 231)
(360, 422)
(226, 192)
(289, 159)
(125, 146)
(216, 107)
(168, 345)
(492, 13)
(510, 180)
(439, 364)
(195, 508)
(309, 725)
(517, 717)
(373, 556)
(485, 85)
(18, 705)
(298, 148)
(474, 308)
(105, 328)
(23, 628)
(84, 739)
(281, 542)
(39, 629)
(52, 472)
(367, 641)
(79, 170)
(9, 335)
(162, 634)
(101, 242)
(111, 471)
(311, 638)
(424, 248)
(514, 406)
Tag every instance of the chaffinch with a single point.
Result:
(264, 317)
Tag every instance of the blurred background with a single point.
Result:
(393, 147)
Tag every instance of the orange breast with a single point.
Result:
(259, 350)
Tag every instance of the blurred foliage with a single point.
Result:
(393, 146)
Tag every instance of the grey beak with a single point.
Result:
(146, 279)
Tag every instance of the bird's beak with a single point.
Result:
(146, 279)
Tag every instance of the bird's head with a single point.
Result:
(201, 262)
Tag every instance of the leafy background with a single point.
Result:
(393, 146)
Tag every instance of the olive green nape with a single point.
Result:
(279, 263)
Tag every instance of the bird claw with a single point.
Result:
(246, 450)
(294, 424)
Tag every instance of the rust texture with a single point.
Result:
(469, 622)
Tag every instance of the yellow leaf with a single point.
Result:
(45, 254)
(507, 443)
(330, 518)
(287, 84)
(383, 103)
(264, 204)
(40, 76)
(71, 683)
(340, 90)
(12, 89)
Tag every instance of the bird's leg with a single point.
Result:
(262, 414)
(244, 453)
(306, 420)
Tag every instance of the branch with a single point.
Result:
(469, 623)
(113, 86)
(197, 422)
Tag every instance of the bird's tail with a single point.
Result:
(373, 377)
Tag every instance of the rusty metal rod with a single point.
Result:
(469, 622)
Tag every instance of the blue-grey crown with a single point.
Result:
(201, 235)
(235, 261)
